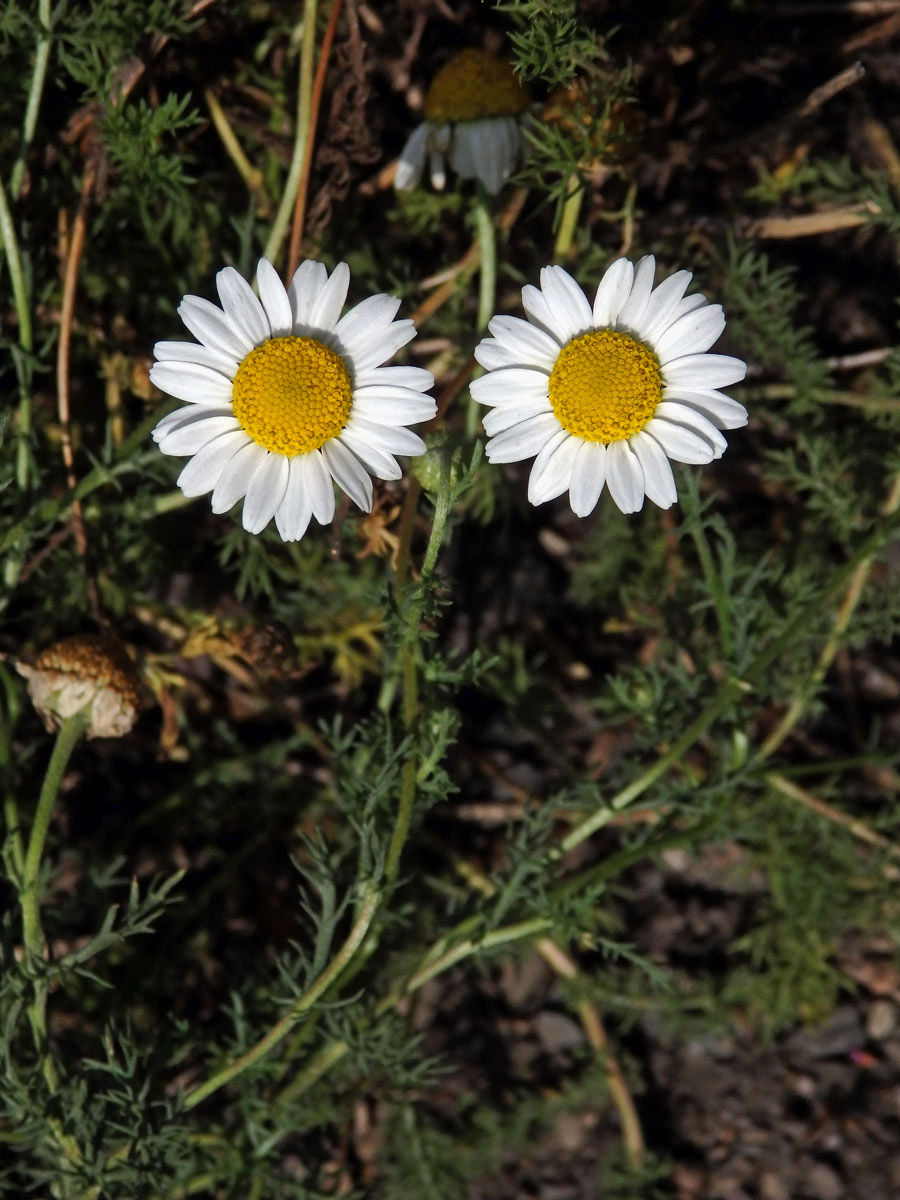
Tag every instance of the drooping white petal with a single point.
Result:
(663, 301)
(191, 382)
(242, 308)
(208, 324)
(192, 352)
(724, 412)
(265, 492)
(588, 478)
(293, 515)
(614, 290)
(462, 150)
(693, 333)
(327, 307)
(349, 474)
(566, 301)
(490, 154)
(624, 477)
(393, 439)
(303, 290)
(659, 482)
(523, 440)
(529, 345)
(412, 159)
(551, 474)
(190, 435)
(274, 299)
(679, 442)
(236, 475)
(437, 172)
(704, 371)
(633, 308)
(380, 462)
(201, 474)
(683, 414)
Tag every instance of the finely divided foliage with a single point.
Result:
(386, 830)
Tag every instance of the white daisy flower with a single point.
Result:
(609, 394)
(285, 395)
(472, 115)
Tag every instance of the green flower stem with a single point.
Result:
(719, 593)
(23, 369)
(571, 212)
(487, 279)
(38, 77)
(301, 133)
(301, 1005)
(409, 664)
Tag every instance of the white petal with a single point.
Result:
(463, 150)
(492, 159)
(208, 324)
(633, 308)
(177, 415)
(661, 305)
(659, 482)
(393, 405)
(317, 485)
(380, 462)
(523, 440)
(724, 412)
(588, 477)
(412, 159)
(274, 299)
(188, 381)
(499, 419)
(566, 301)
(551, 474)
(366, 324)
(614, 290)
(236, 475)
(203, 356)
(388, 344)
(510, 385)
(190, 435)
(202, 473)
(682, 414)
(529, 345)
(691, 334)
(349, 474)
(624, 477)
(242, 309)
(680, 443)
(539, 313)
(416, 378)
(294, 513)
(392, 439)
(265, 492)
(326, 310)
(303, 290)
(688, 304)
(704, 371)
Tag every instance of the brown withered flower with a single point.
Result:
(88, 671)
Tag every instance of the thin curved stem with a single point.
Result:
(38, 78)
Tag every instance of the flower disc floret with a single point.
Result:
(292, 395)
(473, 86)
(605, 386)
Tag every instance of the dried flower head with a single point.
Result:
(88, 671)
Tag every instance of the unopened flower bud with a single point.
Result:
(88, 671)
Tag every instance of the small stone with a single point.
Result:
(824, 1183)
(557, 1032)
(881, 1020)
(772, 1187)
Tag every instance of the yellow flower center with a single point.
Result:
(292, 394)
(474, 85)
(605, 386)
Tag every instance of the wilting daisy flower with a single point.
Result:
(471, 110)
(609, 394)
(286, 395)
